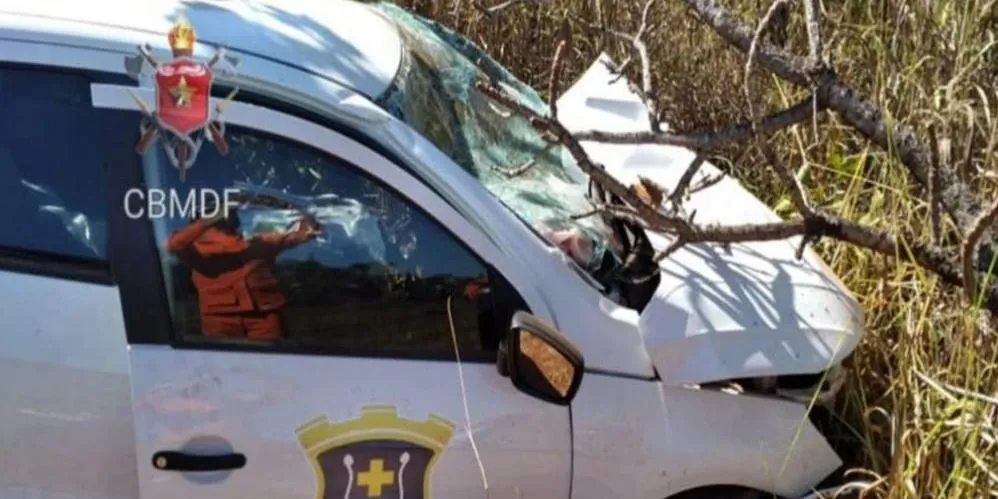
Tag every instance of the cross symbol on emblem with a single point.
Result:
(375, 478)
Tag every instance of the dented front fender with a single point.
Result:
(643, 440)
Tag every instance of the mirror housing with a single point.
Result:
(540, 361)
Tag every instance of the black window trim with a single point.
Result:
(55, 265)
(149, 320)
(42, 263)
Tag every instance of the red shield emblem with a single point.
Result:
(183, 88)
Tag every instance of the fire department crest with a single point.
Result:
(182, 118)
(375, 455)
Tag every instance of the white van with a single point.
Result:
(423, 340)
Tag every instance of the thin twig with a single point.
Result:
(645, 92)
(553, 80)
(811, 13)
(556, 65)
(679, 242)
(707, 183)
(496, 8)
(646, 87)
(525, 167)
(797, 193)
(760, 29)
(679, 193)
(945, 388)
(619, 71)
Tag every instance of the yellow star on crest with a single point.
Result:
(182, 93)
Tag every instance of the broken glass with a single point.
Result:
(434, 93)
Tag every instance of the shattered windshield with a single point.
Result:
(434, 93)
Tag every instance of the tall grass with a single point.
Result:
(912, 424)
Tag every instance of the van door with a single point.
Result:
(308, 320)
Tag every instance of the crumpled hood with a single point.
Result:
(746, 311)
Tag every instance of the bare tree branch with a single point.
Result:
(815, 224)
(707, 140)
(595, 171)
(646, 88)
(812, 10)
(645, 92)
(955, 196)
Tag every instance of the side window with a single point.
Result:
(52, 196)
(278, 242)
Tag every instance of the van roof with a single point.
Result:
(342, 40)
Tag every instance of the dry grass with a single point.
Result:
(928, 63)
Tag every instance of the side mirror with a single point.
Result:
(540, 361)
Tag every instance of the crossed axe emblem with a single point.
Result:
(180, 149)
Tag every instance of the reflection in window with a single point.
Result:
(314, 253)
(51, 166)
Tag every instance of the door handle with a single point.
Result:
(182, 461)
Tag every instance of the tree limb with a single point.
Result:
(707, 140)
(897, 138)
(815, 223)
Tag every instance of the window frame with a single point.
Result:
(41, 263)
(149, 318)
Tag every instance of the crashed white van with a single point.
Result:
(419, 338)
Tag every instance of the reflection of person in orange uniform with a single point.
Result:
(475, 288)
(238, 293)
